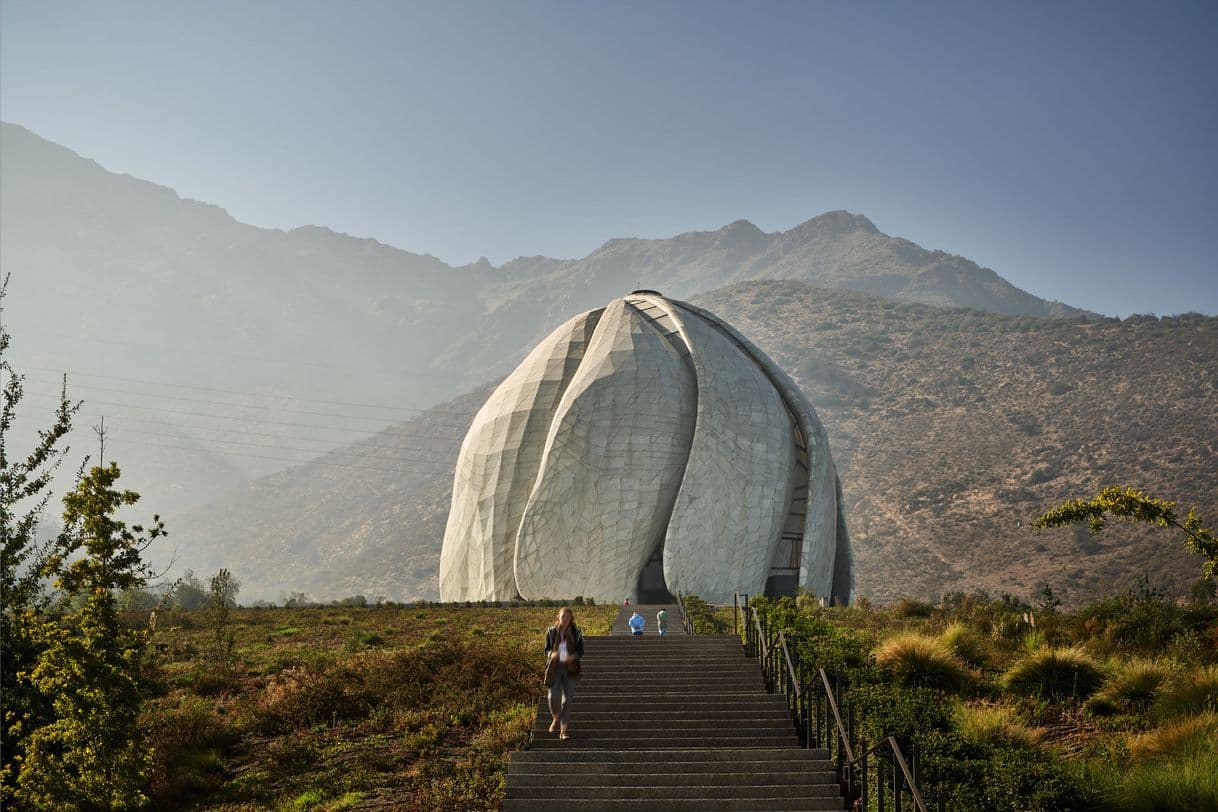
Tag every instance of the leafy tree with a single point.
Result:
(222, 600)
(24, 493)
(1135, 506)
(92, 754)
(188, 592)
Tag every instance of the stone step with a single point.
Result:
(596, 773)
(643, 789)
(611, 666)
(591, 740)
(664, 715)
(585, 703)
(584, 804)
(691, 755)
(643, 732)
(621, 641)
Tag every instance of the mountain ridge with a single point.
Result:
(275, 316)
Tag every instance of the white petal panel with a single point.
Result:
(498, 466)
(821, 520)
(612, 465)
(733, 500)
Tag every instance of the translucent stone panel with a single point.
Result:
(823, 523)
(498, 466)
(612, 465)
(730, 510)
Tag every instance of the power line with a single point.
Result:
(223, 391)
(250, 419)
(280, 459)
(315, 451)
(211, 353)
(247, 433)
(227, 404)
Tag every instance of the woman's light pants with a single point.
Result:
(560, 693)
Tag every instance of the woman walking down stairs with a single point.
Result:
(670, 722)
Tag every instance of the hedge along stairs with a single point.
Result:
(672, 722)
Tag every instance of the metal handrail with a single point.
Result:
(786, 655)
(686, 623)
(850, 755)
(837, 716)
(898, 759)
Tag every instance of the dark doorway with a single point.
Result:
(652, 588)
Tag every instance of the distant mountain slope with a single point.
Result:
(119, 277)
(952, 429)
(356, 521)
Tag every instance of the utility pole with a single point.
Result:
(100, 431)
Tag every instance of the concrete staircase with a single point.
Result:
(670, 722)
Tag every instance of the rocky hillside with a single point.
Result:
(952, 429)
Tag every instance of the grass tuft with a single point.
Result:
(921, 661)
(995, 727)
(965, 644)
(1055, 672)
(1193, 692)
(1175, 738)
(1131, 689)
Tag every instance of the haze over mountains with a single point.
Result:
(221, 352)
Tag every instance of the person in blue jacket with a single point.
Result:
(636, 624)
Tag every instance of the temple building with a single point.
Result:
(642, 450)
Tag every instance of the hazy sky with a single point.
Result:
(1072, 147)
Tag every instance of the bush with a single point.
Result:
(919, 661)
(1179, 737)
(910, 608)
(1191, 693)
(1132, 688)
(994, 727)
(965, 644)
(1171, 767)
(1055, 672)
(188, 738)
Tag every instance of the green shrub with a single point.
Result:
(1132, 688)
(965, 644)
(1184, 783)
(918, 660)
(1056, 673)
(1176, 738)
(1193, 692)
(994, 727)
(910, 608)
(188, 738)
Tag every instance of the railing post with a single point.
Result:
(880, 780)
(896, 784)
(863, 774)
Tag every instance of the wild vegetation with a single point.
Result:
(1013, 705)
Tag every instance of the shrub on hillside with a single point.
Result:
(1131, 689)
(919, 661)
(1171, 768)
(1055, 672)
(187, 737)
(1175, 738)
(995, 727)
(1193, 692)
(962, 641)
(910, 607)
